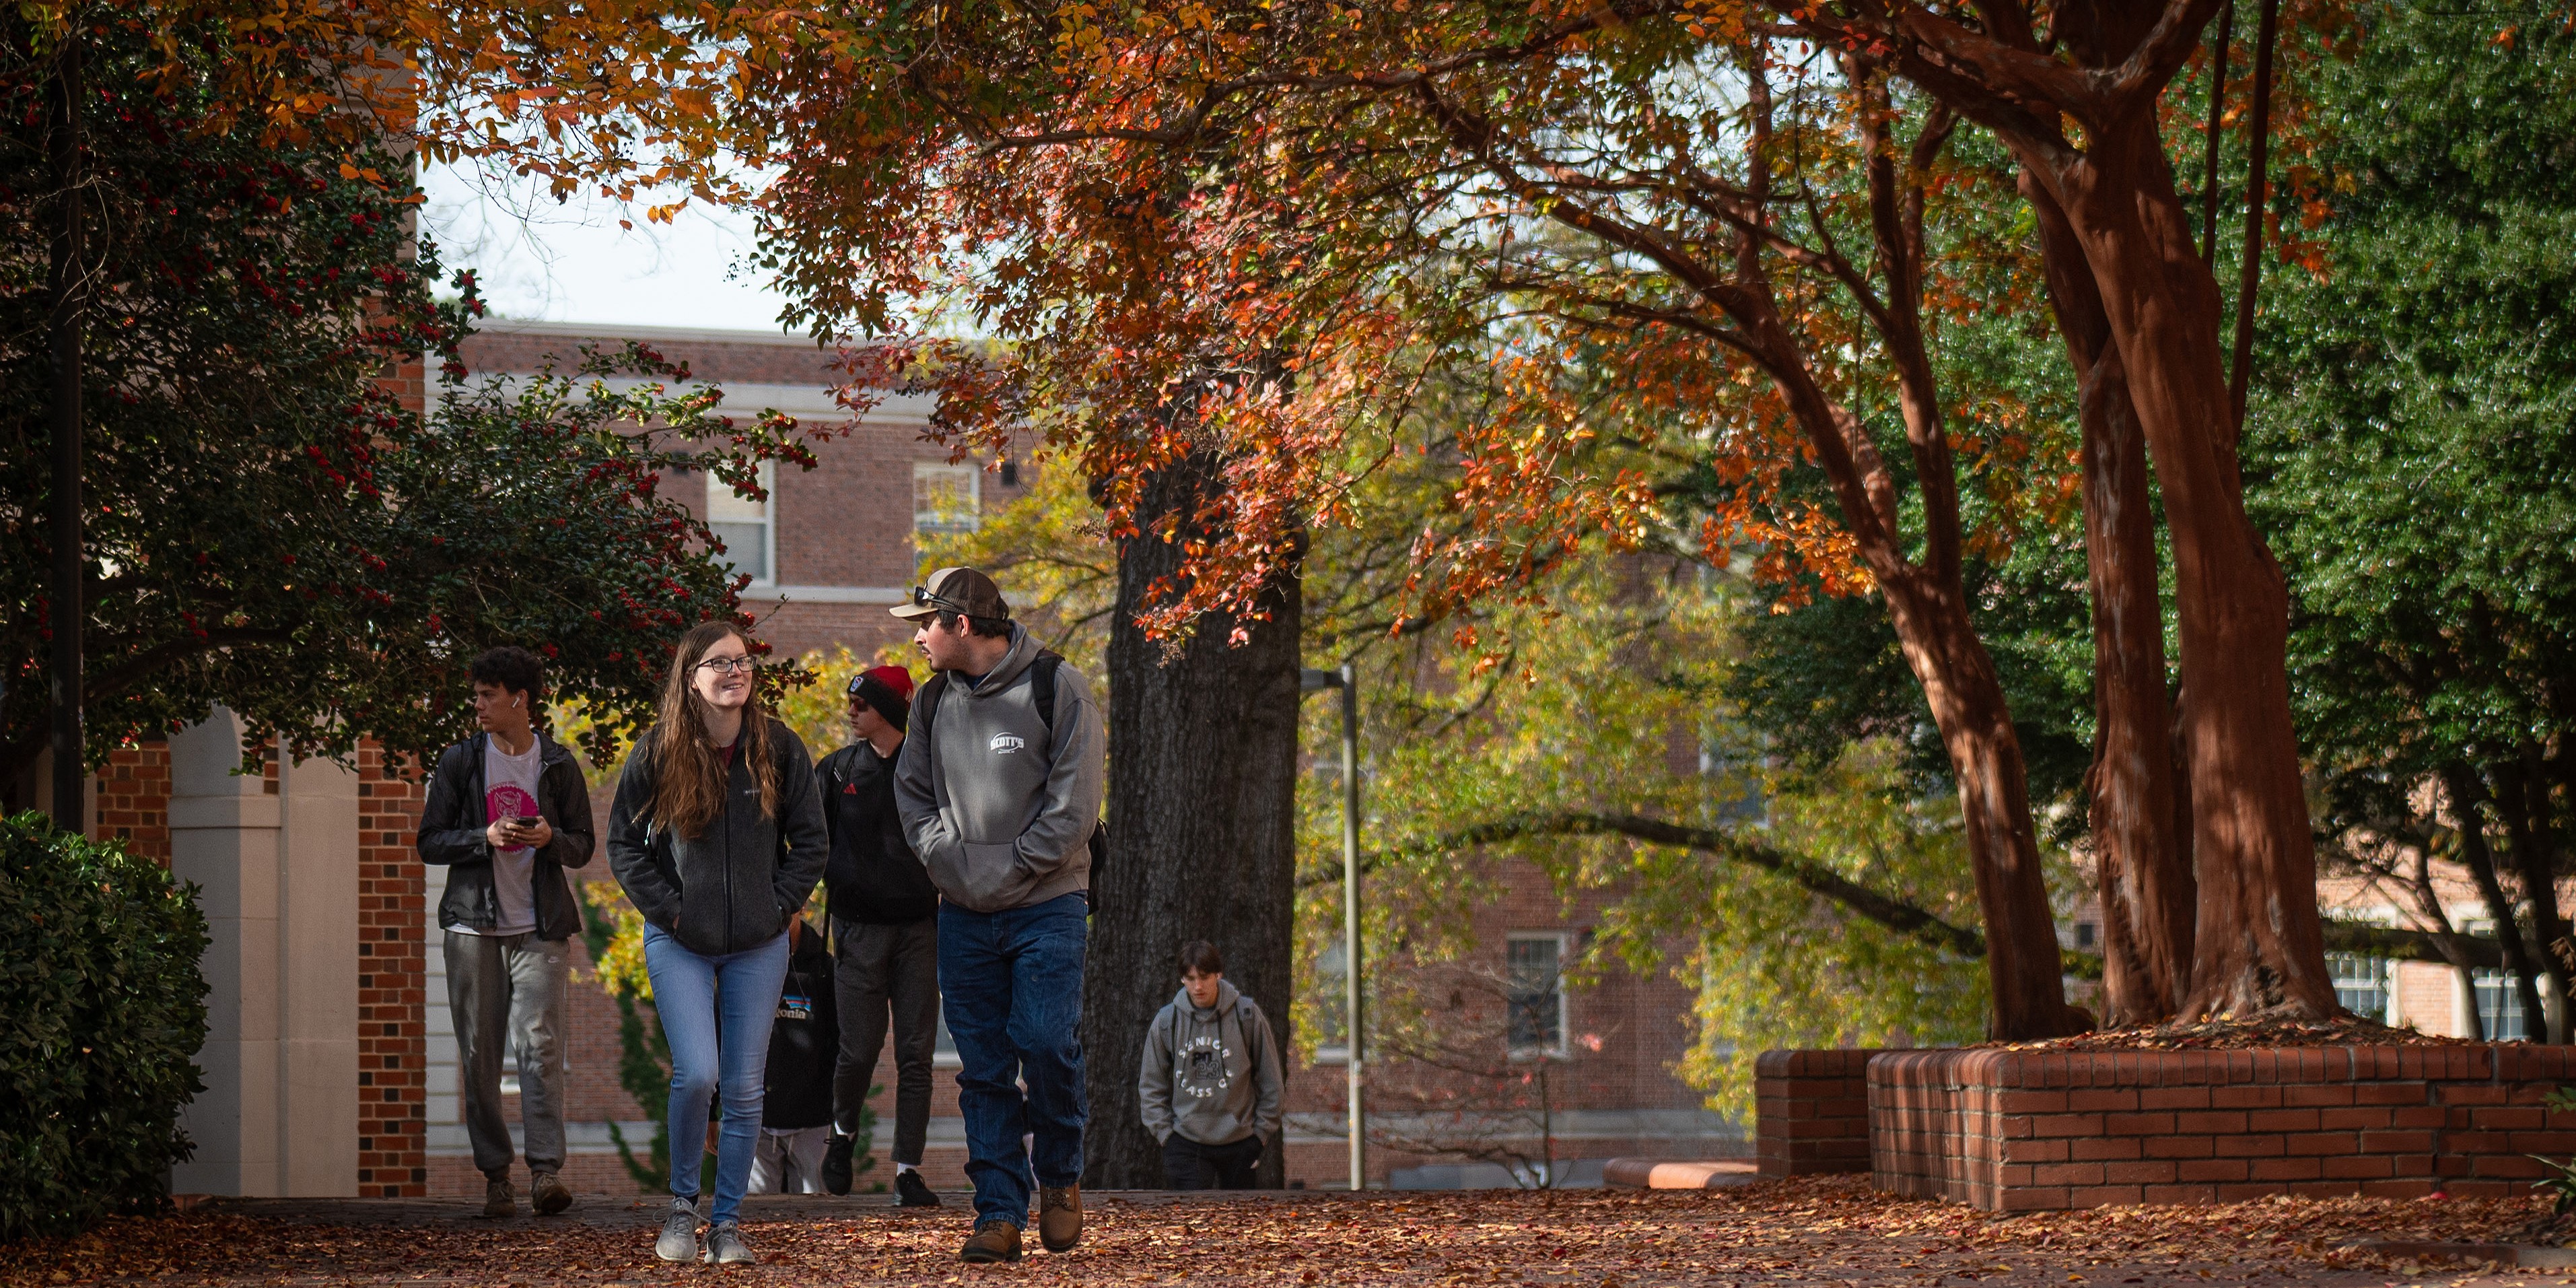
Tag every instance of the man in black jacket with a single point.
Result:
(885, 924)
(507, 814)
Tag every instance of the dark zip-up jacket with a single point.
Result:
(452, 827)
(873, 877)
(735, 887)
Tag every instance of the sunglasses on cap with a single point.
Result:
(922, 598)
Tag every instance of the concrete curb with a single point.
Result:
(2503, 1254)
(1667, 1174)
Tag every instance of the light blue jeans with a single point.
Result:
(699, 997)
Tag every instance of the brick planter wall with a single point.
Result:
(2012, 1131)
(1811, 1111)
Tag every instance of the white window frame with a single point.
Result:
(926, 523)
(720, 495)
(1335, 973)
(1564, 944)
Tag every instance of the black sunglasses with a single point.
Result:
(922, 598)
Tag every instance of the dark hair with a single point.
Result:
(513, 668)
(988, 627)
(689, 777)
(1201, 957)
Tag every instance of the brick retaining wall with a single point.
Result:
(1811, 1111)
(2030, 1130)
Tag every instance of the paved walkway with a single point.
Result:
(1832, 1231)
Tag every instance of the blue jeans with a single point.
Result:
(698, 998)
(1011, 983)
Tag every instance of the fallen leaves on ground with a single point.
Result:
(2229, 1035)
(1829, 1230)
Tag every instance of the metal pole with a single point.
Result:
(1351, 912)
(66, 615)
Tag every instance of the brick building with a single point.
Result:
(331, 1067)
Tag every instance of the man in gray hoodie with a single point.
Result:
(999, 787)
(1209, 1085)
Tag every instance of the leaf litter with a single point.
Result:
(1822, 1230)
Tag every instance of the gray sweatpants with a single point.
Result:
(510, 989)
(886, 973)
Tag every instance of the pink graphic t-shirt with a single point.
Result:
(510, 791)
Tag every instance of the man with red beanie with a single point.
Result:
(885, 928)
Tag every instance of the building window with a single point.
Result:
(742, 524)
(2361, 983)
(1534, 993)
(1332, 1010)
(945, 498)
(2087, 934)
(2499, 1006)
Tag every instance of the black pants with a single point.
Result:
(1189, 1165)
(886, 973)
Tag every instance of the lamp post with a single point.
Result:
(1347, 680)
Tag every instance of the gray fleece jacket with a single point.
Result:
(1212, 1073)
(1000, 811)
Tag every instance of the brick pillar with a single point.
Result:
(392, 935)
(1811, 1111)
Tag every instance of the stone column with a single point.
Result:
(275, 859)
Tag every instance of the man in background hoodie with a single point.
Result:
(999, 784)
(1209, 1085)
(885, 930)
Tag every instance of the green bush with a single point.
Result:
(102, 1010)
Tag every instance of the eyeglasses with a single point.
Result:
(720, 665)
(922, 598)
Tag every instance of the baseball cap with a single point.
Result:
(955, 590)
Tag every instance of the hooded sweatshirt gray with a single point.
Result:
(1000, 810)
(1210, 1073)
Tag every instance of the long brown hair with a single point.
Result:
(688, 769)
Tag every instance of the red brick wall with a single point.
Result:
(133, 803)
(1811, 1111)
(392, 1096)
(2021, 1131)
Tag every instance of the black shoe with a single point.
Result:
(836, 1163)
(912, 1191)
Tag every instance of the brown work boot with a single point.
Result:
(546, 1193)
(500, 1198)
(1059, 1216)
(994, 1240)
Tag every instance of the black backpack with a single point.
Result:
(804, 1041)
(925, 705)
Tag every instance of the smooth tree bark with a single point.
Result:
(2467, 794)
(1202, 807)
(2138, 825)
(1926, 597)
(2257, 945)
(2522, 803)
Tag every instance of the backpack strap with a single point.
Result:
(925, 704)
(1042, 688)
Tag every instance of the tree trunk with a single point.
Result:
(2467, 793)
(2524, 805)
(2428, 902)
(1202, 803)
(68, 617)
(1968, 705)
(2258, 945)
(2136, 820)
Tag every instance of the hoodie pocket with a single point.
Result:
(985, 878)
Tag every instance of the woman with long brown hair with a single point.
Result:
(717, 836)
